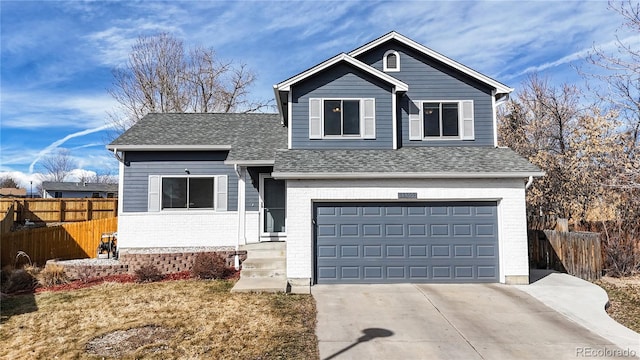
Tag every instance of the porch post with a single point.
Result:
(241, 172)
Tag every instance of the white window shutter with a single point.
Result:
(466, 114)
(415, 120)
(153, 200)
(315, 118)
(221, 187)
(369, 118)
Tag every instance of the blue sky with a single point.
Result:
(56, 56)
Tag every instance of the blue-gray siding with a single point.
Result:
(142, 164)
(341, 81)
(406, 242)
(431, 80)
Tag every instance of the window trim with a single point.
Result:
(461, 120)
(220, 193)
(362, 119)
(385, 66)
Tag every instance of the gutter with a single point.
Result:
(443, 175)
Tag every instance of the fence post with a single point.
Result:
(88, 212)
(61, 211)
(562, 225)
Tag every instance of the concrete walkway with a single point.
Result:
(450, 321)
(581, 302)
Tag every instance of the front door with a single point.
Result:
(272, 206)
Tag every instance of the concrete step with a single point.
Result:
(267, 245)
(267, 254)
(264, 263)
(272, 285)
(266, 273)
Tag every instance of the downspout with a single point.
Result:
(529, 182)
(241, 214)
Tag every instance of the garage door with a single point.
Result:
(406, 242)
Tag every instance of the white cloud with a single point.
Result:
(53, 146)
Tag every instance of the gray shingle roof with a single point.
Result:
(251, 136)
(405, 162)
(78, 186)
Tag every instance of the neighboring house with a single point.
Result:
(381, 166)
(13, 193)
(53, 189)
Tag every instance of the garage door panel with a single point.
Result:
(406, 242)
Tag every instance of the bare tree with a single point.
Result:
(57, 166)
(105, 177)
(7, 181)
(161, 76)
(621, 76)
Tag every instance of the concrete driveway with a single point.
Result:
(438, 321)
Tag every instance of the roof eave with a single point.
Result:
(286, 85)
(113, 147)
(250, 162)
(407, 175)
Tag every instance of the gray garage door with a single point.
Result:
(406, 242)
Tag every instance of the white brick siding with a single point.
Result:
(509, 193)
(183, 229)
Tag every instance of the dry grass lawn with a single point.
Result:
(189, 319)
(624, 300)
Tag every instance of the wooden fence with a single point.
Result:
(67, 241)
(60, 210)
(7, 221)
(577, 253)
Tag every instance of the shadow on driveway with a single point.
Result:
(369, 334)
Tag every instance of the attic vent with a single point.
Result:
(391, 61)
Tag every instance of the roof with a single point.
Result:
(249, 138)
(78, 186)
(406, 162)
(13, 192)
(500, 87)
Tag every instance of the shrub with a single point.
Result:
(21, 280)
(209, 266)
(53, 274)
(148, 273)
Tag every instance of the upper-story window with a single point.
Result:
(391, 61)
(446, 120)
(342, 118)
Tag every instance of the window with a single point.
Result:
(111, 195)
(433, 120)
(187, 193)
(342, 118)
(57, 194)
(95, 195)
(391, 61)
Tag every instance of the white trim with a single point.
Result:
(276, 93)
(217, 191)
(361, 135)
(494, 108)
(242, 222)
(264, 234)
(289, 122)
(249, 162)
(394, 120)
(501, 88)
(121, 170)
(461, 135)
(405, 175)
(286, 85)
(168, 147)
(384, 61)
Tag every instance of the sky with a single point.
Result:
(57, 57)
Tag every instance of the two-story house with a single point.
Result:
(381, 166)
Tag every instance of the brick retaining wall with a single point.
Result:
(130, 261)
